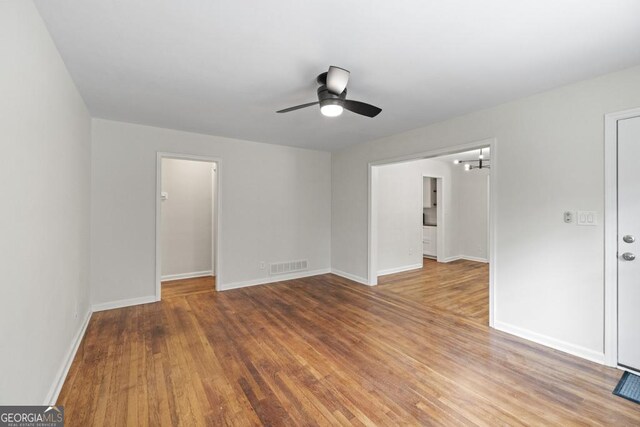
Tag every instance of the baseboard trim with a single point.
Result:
(186, 275)
(399, 269)
(351, 277)
(474, 258)
(61, 376)
(271, 279)
(465, 257)
(575, 350)
(123, 303)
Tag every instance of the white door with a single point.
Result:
(629, 243)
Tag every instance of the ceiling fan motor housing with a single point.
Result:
(327, 98)
(322, 79)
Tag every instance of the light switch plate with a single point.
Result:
(164, 195)
(568, 217)
(587, 218)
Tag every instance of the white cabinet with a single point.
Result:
(429, 188)
(430, 241)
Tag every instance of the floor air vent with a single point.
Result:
(288, 267)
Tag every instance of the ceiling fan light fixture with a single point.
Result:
(332, 95)
(331, 110)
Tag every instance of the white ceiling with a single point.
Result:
(224, 67)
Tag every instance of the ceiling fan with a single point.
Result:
(332, 95)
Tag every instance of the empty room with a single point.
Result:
(320, 213)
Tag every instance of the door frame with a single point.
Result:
(215, 244)
(611, 232)
(440, 232)
(214, 219)
(372, 276)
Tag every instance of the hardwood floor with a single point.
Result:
(184, 287)
(460, 287)
(326, 351)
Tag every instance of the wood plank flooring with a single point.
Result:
(184, 287)
(460, 287)
(326, 351)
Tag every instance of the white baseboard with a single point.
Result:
(61, 376)
(123, 303)
(399, 269)
(270, 279)
(575, 350)
(186, 275)
(465, 257)
(350, 276)
(474, 258)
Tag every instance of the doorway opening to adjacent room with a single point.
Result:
(187, 224)
(432, 227)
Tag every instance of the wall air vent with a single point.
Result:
(288, 267)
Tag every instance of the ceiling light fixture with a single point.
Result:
(331, 110)
(481, 163)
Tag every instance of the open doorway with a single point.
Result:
(431, 228)
(432, 215)
(186, 225)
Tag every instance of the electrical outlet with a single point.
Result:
(262, 265)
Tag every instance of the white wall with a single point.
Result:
(399, 201)
(275, 205)
(471, 208)
(44, 220)
(186, 230)
(549, 275)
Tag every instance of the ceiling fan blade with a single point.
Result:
(337, 79)
(297, 107)
(361, 108)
